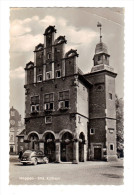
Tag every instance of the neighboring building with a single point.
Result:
(69, 115)
(15, 128)
(21, 144)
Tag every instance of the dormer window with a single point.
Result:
(58, 73)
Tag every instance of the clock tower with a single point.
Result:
(102, 113)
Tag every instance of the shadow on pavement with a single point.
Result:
(113, 176)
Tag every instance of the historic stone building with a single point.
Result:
(16, 127)
(69, 115)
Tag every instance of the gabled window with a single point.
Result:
(49, 101)
(64, 100)
(39, 78)
(48, 75)
(58, 73)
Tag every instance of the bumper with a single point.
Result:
(27, 162)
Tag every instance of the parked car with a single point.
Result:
(33, 157)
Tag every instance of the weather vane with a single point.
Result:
(100, 25)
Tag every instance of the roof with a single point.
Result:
(71, 53)
(22, 133)
(49, 30)
(60, 39)
(101, 48)
(29, 65)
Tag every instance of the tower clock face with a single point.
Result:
(12, 122)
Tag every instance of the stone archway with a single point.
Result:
(33, 141)
(67, 147)
(81, 147)
(49, 146)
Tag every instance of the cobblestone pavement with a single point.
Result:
(84, 173)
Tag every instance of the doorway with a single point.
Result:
(97, 153)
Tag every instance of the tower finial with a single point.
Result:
(100, 25)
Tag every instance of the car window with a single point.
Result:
(40, 152)
(27, 152)
(33, 154)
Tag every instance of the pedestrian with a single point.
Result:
(20, 154)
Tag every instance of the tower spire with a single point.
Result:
(100, 25)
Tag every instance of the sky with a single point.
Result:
(79, 25)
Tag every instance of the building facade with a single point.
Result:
(69, 115)
(15, 128)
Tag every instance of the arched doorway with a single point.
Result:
(49, 146)
(67, 147)
(33, 144)
(81, 147)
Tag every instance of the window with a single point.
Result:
(111, 130)
(11, 138)
(21, 140)
(48, 119)
(39, 78)
(99, 58)
(11, 129)
(48, 75)
(49, 56)
(34, 108)
(35, 104)
(35, 100)
(92, 131)
(110, 96)
(58, 73)
(64, 99)
(48, 101)
(111, 146)
(12, 113)
(79, 119)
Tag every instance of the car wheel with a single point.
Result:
(45, 160)
(35, 161)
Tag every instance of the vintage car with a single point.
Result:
(33, 157)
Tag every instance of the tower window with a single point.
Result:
(92, 131)
(111, 146)
(110, 96)
(58, 73)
